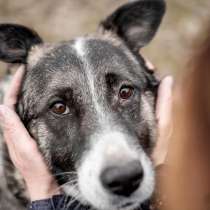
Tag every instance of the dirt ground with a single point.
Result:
(57, 20)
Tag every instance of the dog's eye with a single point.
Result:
(126, 92)
(60, 108)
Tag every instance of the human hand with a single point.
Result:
(22, 147)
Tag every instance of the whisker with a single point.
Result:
(63, 203)
(70, 202)
(73, 183)
(63, 175)
(78, 205)
(74, 198)
(66, 173)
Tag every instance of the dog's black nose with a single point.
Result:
(123, 180)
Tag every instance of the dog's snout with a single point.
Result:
(123, 180)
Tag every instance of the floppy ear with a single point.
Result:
(136, 22)
(16, 42)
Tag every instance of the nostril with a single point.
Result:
(123, 180)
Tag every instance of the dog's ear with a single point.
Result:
(136, 22)
(16, 42)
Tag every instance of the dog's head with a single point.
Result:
(89, 103)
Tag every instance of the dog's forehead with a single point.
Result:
(97, 52)
(105, 54)
(71, 61)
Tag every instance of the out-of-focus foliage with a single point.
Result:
(57, 20)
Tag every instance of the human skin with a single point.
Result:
(24, 152)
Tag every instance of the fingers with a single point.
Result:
(164, 118)
(164, 101)
(10, 98)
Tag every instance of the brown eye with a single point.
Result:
(126, 92)
(60, 108)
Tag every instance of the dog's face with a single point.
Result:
(89, 103)
(91, 112)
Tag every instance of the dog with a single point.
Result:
(89, 104)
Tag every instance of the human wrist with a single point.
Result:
(42, 190)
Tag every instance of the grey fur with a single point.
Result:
(57, 72)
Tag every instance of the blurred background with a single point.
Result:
(64, 19)
(172, 48)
